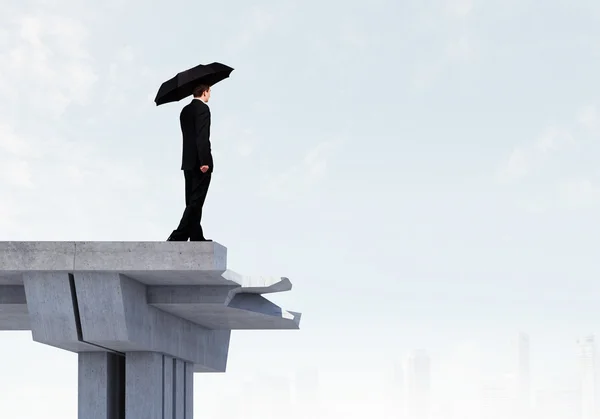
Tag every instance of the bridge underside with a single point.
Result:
(143, 317)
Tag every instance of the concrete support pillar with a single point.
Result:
(143, 316)
(101, 386)
(158, 387)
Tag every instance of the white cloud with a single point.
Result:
(455, 45)
(571, 194)
(548, 169)
(46, 61)
(526, 159)
(16, 172)
(352, 35)
(14, 151)
(533, 206)
(460, 48)
(10, 143)
(427, 73)
(516, 167)
(244, 149)
(8, 214)
(127, 81)
(589, 118)
(257, 24)
(578, 193)
(315, 161)
(294, 182)
(459, 8)
(235, 137)
(45, 155)
(553, 139)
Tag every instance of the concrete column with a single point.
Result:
(183, 391)
(144, 385)
(168, 394)
(179, 388)
(101, 386)
(189, 391)
(158, 387)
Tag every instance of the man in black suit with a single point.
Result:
(197, 164)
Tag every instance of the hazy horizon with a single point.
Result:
(425, 173)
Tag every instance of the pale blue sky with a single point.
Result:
(426, 172)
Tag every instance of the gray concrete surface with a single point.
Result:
(101, 386)
(143, 316)
(13, 308)
(115, 315)
(188, 280)
(157, 387)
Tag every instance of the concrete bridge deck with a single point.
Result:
(143, 316)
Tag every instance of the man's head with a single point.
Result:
(202, 92)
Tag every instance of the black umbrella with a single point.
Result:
(183, 84)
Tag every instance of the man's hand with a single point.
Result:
(204, 169)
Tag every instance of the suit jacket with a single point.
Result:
(195, 128)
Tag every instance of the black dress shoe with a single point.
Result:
(201, 240)
(175, 239)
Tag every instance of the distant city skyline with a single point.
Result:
(418, 385)
(425, 173)
(588, 359)
(523, 377)
(514, 394)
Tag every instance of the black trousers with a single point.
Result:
(196, 188)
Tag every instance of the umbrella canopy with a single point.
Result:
(183, 84)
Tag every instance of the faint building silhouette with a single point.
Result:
(418, 385)
(307, 392)
(396, 391)
(497, 398)
(558, 402)
(523, 377)
(264, 396)
(493, 398)
(588, 377)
